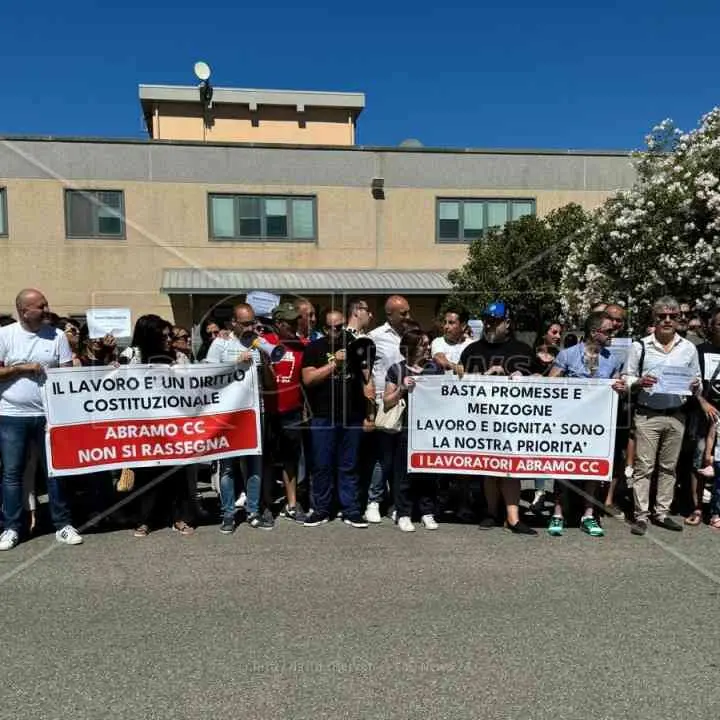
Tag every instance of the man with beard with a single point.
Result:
(588, 359)
(499, 353)
(335, 393)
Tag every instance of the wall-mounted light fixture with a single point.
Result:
(378, 188)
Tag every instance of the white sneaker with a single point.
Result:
(241, 501)
(8, 540)
(405, 524)
(69, 536)
(372, 514)
(429, 522)
(393, 516)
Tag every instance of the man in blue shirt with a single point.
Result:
(588, 359)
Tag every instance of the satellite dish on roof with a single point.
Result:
(411, 143)
(202, 71)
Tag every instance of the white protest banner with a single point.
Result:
(147, 415)
(109, 321)
(528, 427)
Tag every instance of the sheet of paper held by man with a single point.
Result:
(673, 380)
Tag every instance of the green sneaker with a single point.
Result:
(556, 526)
(591, 527)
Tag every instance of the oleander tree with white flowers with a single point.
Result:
(660, 237)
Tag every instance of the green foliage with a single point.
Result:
(521, 264)
(659, 237)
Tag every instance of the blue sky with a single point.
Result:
(519, 74)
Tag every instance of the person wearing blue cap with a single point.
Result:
(497, 352)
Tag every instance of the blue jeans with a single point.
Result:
(252, 485)
(335, 445)
(715, 501)
(16, 434)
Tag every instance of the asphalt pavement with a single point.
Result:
(335, 622)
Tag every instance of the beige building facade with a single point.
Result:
(182, 228)
(253, 116)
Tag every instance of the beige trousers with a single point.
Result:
(658, 438)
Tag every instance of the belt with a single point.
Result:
(660, 411)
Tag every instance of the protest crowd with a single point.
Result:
(334, 394)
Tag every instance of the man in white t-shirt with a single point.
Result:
(27, 349)
(446, 350)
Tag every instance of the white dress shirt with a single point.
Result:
(387, 354)
(682, 353)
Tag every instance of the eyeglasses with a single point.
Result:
(247, 323)
(182, 337)
(335, 327)
(667, 316)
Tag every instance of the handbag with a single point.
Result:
(390, 420)
(127, 480)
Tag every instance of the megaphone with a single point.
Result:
(360, 354)
(362, 350)
(258, 342)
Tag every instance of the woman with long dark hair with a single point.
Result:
(550, 334)
(399, 382)
(152, 345)
(209, 331)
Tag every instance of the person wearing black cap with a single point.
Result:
(497, 352)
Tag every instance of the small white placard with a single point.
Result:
(263, 303)
(673, 380)
(109, 321)
(477, 328)
(620, 349)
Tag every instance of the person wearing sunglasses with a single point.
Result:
(233, 349)
(335, 391)
(588, 359)
(660, 417)
(182, 345)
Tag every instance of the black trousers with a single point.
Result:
(168, 501)
(411, 488)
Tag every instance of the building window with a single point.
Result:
(463, 219)
(94, 214)
(3, 212)
(262, 217)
